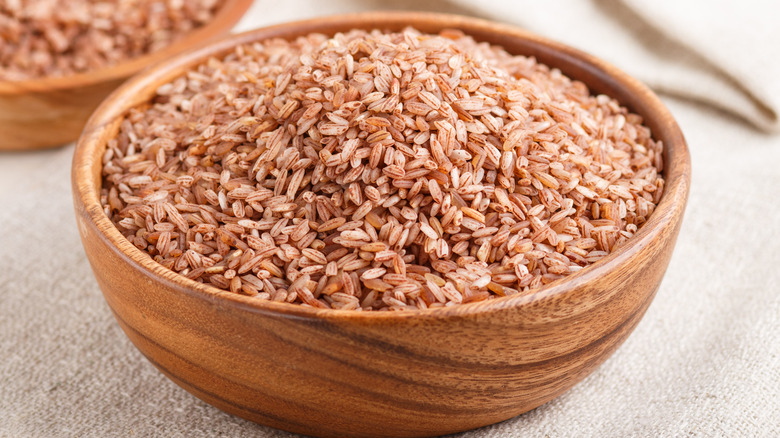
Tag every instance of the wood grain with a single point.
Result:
(341, 374)
(49, 112)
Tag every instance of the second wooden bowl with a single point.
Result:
(48, 112)
(419, 373)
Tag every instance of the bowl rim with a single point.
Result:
(87, 164)
(226, 17)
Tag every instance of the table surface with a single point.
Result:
(704, 361)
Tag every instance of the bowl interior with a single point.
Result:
(598, 75)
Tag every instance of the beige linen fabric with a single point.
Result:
(705, 360)
(722, 53)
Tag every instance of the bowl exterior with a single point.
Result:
(39, 119)
(340, 374)
(412, 376)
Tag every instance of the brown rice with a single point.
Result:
(376, 171)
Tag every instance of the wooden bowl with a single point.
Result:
(48, 112)
(418, 373)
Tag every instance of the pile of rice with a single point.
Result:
(379, 171)
(49, 38)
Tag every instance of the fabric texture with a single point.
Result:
(704, 361)
(723, 54)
